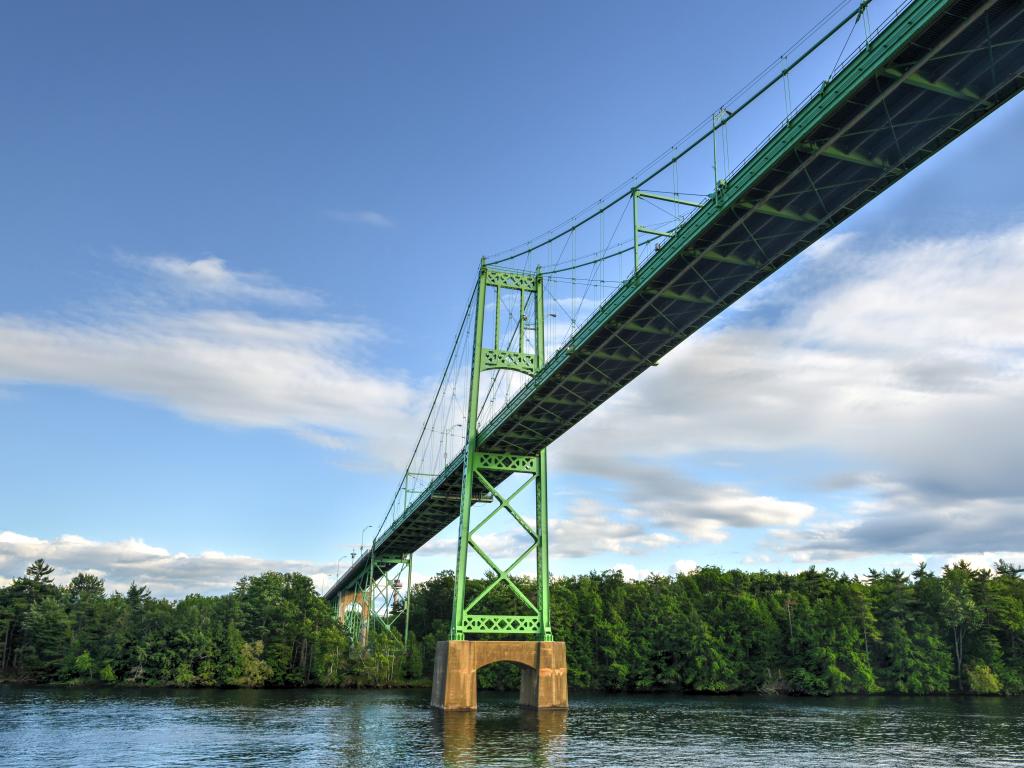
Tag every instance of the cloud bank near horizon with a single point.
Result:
(176, 574)
(120, 563)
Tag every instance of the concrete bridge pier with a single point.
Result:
(543, 672)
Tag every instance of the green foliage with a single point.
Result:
(39, 572)
(46, 638)
(812, 633)
(981, 679)
(83, 664)
(273, 629)
(959, 609)
(710, 631)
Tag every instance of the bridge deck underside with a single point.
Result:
(912, 92)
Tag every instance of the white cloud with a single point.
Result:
(592, 528)
(501, 545)
(901, 518)
(901, 366)
(662, 497)
(231, 368)
(589, 529)
(982, 559)
(121, 562)
(631, 573)
(829, 245)
(372, 218)
(684, 566)
(211, 278)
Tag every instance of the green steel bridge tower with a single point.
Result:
(483, 471)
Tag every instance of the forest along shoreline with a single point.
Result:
(817, 633)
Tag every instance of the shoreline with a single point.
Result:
(425, 683)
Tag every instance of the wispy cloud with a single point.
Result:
(684, 566)
(588, 528)
(371, 218)
(122, 562)
(211, 278)
(901, 518)
(592, 528)
(662, 497)
(224, 367)
(500, 544)
(630, 572)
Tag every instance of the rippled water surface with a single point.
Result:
(43, 727)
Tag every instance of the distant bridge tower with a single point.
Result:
(503, 340)
(376, 603)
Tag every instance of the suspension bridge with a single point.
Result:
(877, 102)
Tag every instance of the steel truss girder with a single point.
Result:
(918, 80)
(685, 296)
(782, 213)
(850, 157)
(595, 380)
(862, 113)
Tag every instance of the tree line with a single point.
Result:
(710, 631)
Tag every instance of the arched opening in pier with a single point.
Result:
(500, 676)
(541, 666)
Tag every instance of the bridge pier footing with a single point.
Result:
(543, 682)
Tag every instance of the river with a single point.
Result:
(123, 728)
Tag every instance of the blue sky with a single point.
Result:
(235, 248)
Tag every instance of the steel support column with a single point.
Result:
(533, 617)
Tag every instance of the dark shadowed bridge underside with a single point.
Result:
(934, 72)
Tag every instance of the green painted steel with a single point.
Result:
(487, 470)
(353, 620)
(936, 70)
(380, 605)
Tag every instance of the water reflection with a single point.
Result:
(458, 735)
(538, 732)
(550, 727)
(107, 728)
(548, 723)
